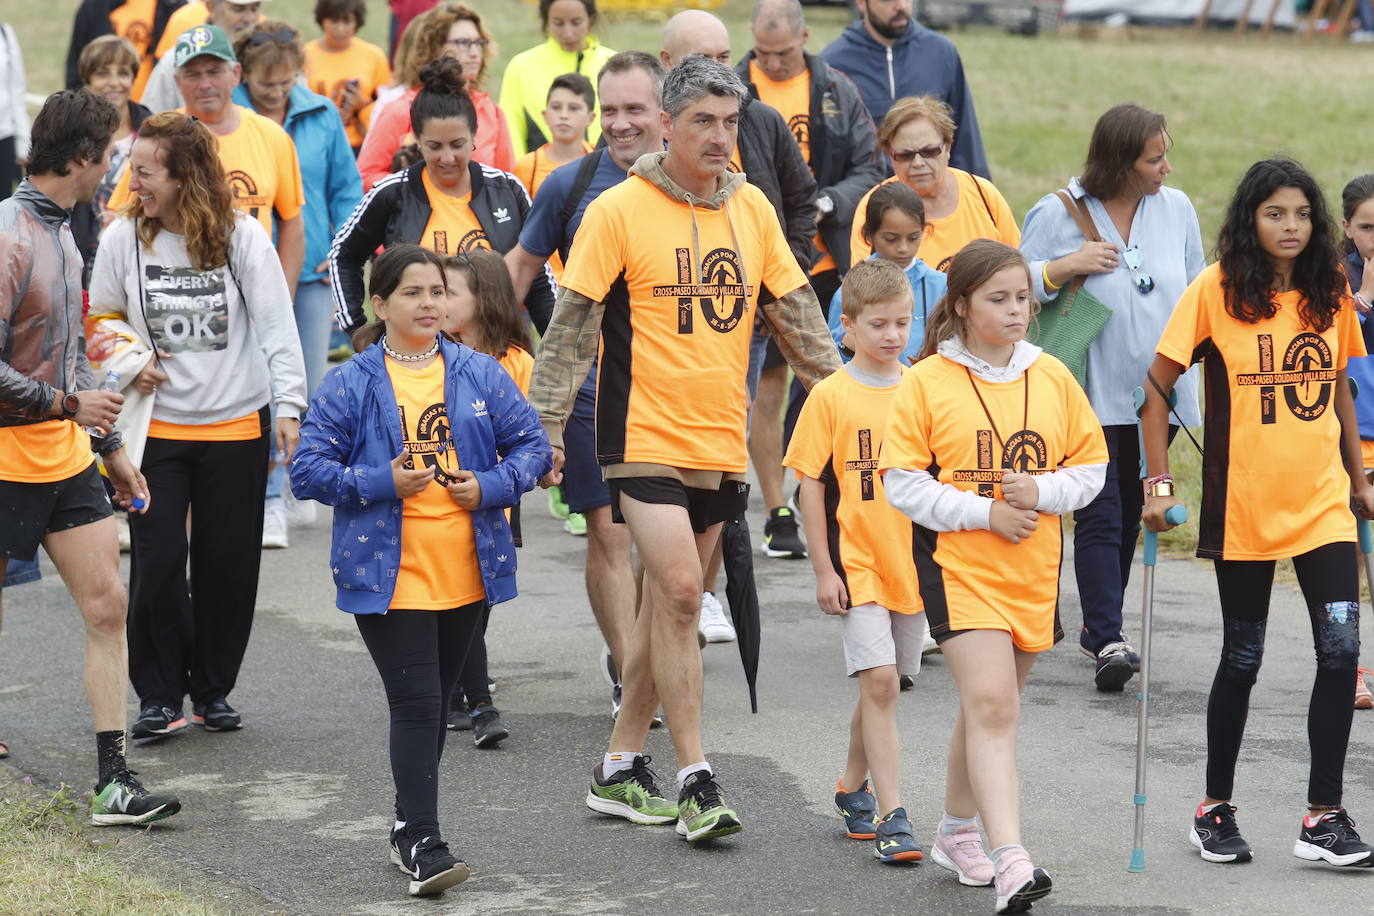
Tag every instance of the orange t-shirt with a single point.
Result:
(452, 225)
(519, 365)
(240, 429)
(943, 237)
(533, 168)
(328, 72)
(44, 452)
(838, 439)
(438, 550)
(183, 18)
(133, 21)
(260, 162)
(1270, 404)
(678, 320)
(938, 423)
(792, 99)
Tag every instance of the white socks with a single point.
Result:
(691, 768)
(617, 762)
(1000, 852)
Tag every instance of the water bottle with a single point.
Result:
(111, 383)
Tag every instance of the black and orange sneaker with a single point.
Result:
(1216, 835)
(858, 808)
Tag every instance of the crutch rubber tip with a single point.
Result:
(1137, 860)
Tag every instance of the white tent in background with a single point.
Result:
(1179, 12)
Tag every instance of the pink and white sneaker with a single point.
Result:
(1019, 883)
(962, 853)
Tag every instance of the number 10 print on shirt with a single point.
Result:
(186, 309)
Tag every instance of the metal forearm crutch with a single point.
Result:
(1176, 515)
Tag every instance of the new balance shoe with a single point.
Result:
(1113, 668)
(781, 538)
(858, 808)
(432, 868)
(962, 853)
(557, 507)
(1131, 655)
(701, 810)
(575, 524)
(123, 800)
(1363, 698)
(1216, 835)
(459, 719)
(714, 626)
(894, 841)
(1331, 838)
(632, 794)
(216, 716)
(1019, 883)
(155, 721)
(487, 728)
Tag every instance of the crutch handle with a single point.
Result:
(1177, 515)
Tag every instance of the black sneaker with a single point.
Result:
(1331, 838)
(1114, 667)
(396, 840)
(123, 800)
(781, 537)
(1216, 835)
(432, 868)
(459, 720)
(154, 721)
(905, 682)
(216, 716)
(487, 728)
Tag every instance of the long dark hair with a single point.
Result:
(443, 94)
(1247, 276)
(387, 269)
(499, 320)
(1356, 192)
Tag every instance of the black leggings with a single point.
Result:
(419, 654)
(1330, 584)
(473, 679)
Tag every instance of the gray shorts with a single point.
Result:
(875, 636)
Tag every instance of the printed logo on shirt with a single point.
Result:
(502, 214)
(1025, 453)
(866, 463)
(1306, 375)
(473, 238)
(187, 309)
(138, 33)
(245, 190)
(433, 442)
(800, 127)
(722, 295)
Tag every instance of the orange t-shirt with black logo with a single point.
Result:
(982, 213)
(329, 72)
(438, 550)
(452, 225)
(260, 163)
(1273, 485)
(133, 21)
(837, 441)
(678, 319)
(519, 365)
(44, 452)
(792, 99)
(976, 580)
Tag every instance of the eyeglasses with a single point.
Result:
(467, 44)
(928, 153)
(282, 36)
(1143, 282)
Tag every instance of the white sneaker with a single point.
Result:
(122, 529)
(300, 513)
(714, 626)
(274, 526)
(928, 644)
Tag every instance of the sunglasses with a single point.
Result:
(928, 153)
(467, 44)
(282, 36)
(1143, 282)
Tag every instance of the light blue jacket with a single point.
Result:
(350, 435)
(1165, 229)
(329, 173)
(928, 285)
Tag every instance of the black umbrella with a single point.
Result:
(743, 597)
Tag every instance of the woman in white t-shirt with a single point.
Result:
(202, 283)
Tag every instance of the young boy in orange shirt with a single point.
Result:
(861, 547)
(570, 112)
(343, 68)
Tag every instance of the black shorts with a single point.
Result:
(704, 507)
(33, 510)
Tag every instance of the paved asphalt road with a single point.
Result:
(290, 814)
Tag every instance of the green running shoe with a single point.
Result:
(631, 794)
(701, 810)
(557, 507)
(575, 524)
(123, 800)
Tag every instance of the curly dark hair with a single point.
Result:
(74, 126)
(1247, 276)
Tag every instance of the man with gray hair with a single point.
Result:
(673, 315)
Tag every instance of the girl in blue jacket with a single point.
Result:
(420, 444)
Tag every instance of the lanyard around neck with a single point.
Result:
(1025, 407)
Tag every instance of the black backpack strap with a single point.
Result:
(581, 182)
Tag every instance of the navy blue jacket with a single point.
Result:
(920, 63)
(350, 435)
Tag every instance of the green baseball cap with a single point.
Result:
(201, 41)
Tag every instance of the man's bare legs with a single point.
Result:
(610, 581)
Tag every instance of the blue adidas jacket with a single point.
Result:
(329, 173)
(350, 435)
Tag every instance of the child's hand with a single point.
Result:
(831, 594)
(1011, 523)
(1020, 490)
(409, 479)
(466, 491)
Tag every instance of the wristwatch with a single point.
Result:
(1161, 488)
(70, 405)
(824, 205)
